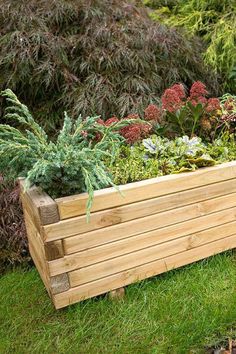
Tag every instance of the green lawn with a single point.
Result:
(178, 312)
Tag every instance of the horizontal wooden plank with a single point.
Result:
(135, 243)
(42, 206)
(75, 261)
(133, 192)
(138, 226)
(144, 208)
(129, 276)
(146, 255)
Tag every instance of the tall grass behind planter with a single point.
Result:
(13, 241)
(92, 56)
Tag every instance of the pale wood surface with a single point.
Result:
(148, 239)
(137, 191)
(142, 256)
(97, 254)
(160, 224)
(145, 271)
(137, 226)
(37, 252)
(137, 210)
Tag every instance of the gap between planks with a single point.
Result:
(110, 217)
(148, 270)
(115, 250)
(107, 198)
(92, 239)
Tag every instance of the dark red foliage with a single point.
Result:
(153, 113)
(111, 120)
(13, 241)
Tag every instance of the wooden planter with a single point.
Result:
(157, 225)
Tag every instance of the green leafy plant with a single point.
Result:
(158, 156)
(192, 114)
(214, 21)
(91, 57)
(73, 163)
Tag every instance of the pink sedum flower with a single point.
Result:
(198, 90)
(171, 101)
(152, 113)
(179, 89)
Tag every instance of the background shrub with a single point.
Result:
(13, 242)
(91, 57)
(214, 21)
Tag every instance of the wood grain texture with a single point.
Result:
(108, 198)
(142, 256)
(148, 239)
(54, 250)
(137, 210)
(114, 233)
(43, 207)
(151, 238)
(37, 251)
(144, 271)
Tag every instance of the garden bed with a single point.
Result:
(154, 226)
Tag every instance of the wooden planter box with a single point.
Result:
(157, 225)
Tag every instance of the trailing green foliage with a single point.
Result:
(71, 164)
(91, 57)
(214, 21)
(157, 156)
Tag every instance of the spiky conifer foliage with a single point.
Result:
(96, 56)
(214, 21)
(73, 163)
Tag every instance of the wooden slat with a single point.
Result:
(118, 280)
(135, 243)
(137, 226)
(137, 191)
(36, 249)
(146, 255)
(144, 208)
(34, 237)
(75, 260)
(54, 250)
(55, 284)
(40, 267)
(43, 208)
